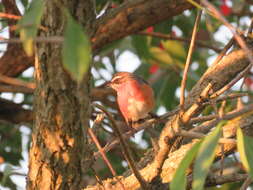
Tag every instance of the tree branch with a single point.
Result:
(14, 61)
(14, 113)
(133, 16)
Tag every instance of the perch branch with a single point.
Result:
(188, 60)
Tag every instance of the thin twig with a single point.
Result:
(250, 27)
(233, 30)
(187, 115)
(227, 97)
(51, 39)
(216, 116)
(239, 40)
(101, 151)
(59, 39)
(213, 104)
(197, 135)
(221, 114)
(222, 159)
(205, 127)
(16, 82)
(243, 82)
(186, 40)
(224, 51)
(18, 173)
(202, 118)
(125, 148)
(95, 140)
(246, 183)
(232, 82)
(9, 16)
(213, 179)
(188, 60)
(98, 179)
(13, 88)
(110, 145)
(222, 108)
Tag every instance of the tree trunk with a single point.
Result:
(59, 156)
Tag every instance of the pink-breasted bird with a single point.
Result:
(135, 97)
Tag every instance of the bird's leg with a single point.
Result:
(131, 124)
(142, 120)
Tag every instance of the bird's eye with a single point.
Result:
(116, 80)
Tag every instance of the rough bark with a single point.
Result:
(59, 156)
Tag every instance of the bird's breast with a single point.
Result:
(135, 100)
(137, 109)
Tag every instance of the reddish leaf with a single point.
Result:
(150, 29)
(153, 69)
(113, 5)
(225, 9)
(248, 81)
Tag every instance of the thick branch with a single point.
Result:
(220, 74)
(59, 156)
(14, 113)
(133, 16)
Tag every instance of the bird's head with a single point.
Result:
(119, 79)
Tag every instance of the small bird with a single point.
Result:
(135, 97)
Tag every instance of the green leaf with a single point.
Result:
(7, 171)
(29, 24)
(160, 55)
(25, 3)
(162, 27)
(165, 90)
(175, 49)
(245, 148)
(76, 51)
(205, 158)
(140, 44)
(179, 179)
(10, 144)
